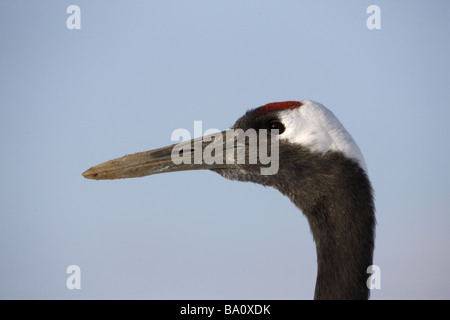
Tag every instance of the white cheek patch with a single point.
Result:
(314, 126)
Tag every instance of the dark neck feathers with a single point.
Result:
(335, 195)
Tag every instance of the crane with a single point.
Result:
(320, 169)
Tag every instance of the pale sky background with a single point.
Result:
(137, 70)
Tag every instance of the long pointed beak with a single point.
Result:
(166, 159)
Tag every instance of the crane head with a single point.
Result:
(289, 131)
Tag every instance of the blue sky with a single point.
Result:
(137, 70)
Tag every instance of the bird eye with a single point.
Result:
(275, 124)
